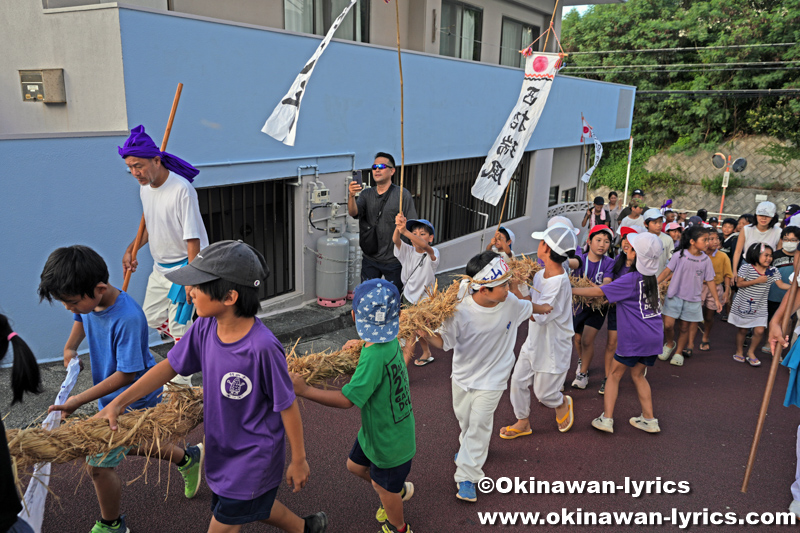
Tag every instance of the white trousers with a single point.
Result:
(160, 312)
(475, 413)
(546, 387)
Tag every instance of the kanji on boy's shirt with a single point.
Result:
(482, 340)
(117, 338)
(246, 385)
(379, 387)
(689, 272)
(642, 324)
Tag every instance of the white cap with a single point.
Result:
(648, 249)
(652, 214)
(766, 209)
(510, 233)
(559, 237)
(563, 220)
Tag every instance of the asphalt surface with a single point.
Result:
(707, 411)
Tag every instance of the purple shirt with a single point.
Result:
(594, 271)
(634, 315)
(246, 385)
(688, 274)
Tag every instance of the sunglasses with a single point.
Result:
(381, 166)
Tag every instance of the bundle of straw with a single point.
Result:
(524, 269)
(430, 312)
(596, 304)
(317, 368)
(662, 290)
(78, 437)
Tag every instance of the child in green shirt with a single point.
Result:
(386, 444)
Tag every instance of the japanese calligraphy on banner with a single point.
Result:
(282, 123)
(507, 150)
(598, 150)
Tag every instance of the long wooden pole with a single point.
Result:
(773, 370)
(402, 136)
(137, 242)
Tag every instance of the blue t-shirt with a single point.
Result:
(118, 342)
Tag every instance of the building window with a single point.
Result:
(461, 30)
(515, 36)
(568, 196)
(553, 196)
(317, 16)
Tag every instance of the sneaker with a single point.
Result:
(389, 528)
(650, 426)
(666, 352)
(723, 317)
(766, 349)
(581, 381)
(192, 471)
(405, 494)
(794, 508)
(603, 424)
(100, 527)
(466, 491)
(676, 360)
(316, 523)
(602, 387)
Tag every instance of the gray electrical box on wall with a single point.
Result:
(46, 85)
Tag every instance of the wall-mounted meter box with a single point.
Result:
(46, 85)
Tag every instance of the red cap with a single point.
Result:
(626, 230)
(602, 227)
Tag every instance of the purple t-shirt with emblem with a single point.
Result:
(246, 385)
(688, 274)
(635, 315)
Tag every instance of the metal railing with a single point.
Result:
(262, 215)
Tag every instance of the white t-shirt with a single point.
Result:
(422, 271)
(482, 340)
(669, 248)
(549, 342)
(752, 236)
(172, 215)
(630, 222)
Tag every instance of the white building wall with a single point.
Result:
(85, 42)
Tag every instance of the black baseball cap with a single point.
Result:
(792, 209)
(713, 219)
(637, 191)
(229, 260)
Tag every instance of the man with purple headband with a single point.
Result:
(173, 227)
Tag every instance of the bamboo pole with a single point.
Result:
(402, 137)
(773, 370)
(137, 242)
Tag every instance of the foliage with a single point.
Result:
(649, 24)
(776, 186)
(714, 185)
(611, 173)
(779, 154)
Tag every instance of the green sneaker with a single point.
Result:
(405, 494)
(100, 527)
(388, 528)
(192, 471)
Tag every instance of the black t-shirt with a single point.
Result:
(369, 203)
(729, 246)
(10, 504)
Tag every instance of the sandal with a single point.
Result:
(517, 433)
(570, 414)
(738, 358)
(753, 361)
(687, 352)
(423, 362)
(707, 346)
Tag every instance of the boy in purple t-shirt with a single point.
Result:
(249, 403)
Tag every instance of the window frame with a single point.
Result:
(477, 39)
(328, 17)
(521, 45)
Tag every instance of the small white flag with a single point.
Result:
(282, 123)
(507, 150)
(598, 150)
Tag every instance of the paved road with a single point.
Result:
(707, 411)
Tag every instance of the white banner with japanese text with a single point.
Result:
(282, 123)
(598, 150)
(507, 150)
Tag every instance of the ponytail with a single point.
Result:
(25, 371)
(651, 292)
(692, 233)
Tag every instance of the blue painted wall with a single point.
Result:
(59, 192)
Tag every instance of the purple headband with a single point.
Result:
(139, 144)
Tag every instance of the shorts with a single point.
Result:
(391, 479)
(588, 317)
(632, 361)
(708, 300)
(111, 459)
(612, 318)
(682, 310)
(232, 512)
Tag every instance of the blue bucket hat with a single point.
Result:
(376, 303)
(410, 223)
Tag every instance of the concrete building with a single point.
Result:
(65, 184)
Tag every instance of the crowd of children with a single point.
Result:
(739, 268)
